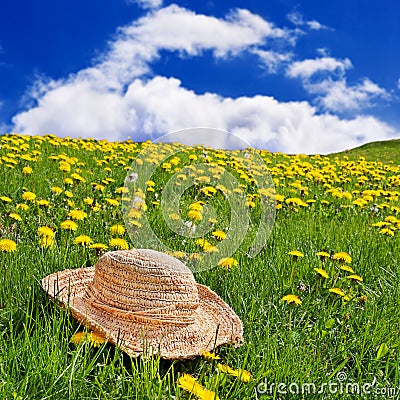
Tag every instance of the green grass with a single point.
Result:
(387, 151)
(313, 343)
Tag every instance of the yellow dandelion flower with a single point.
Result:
(174, 217)
(5, 199)
(112, 202)
(45, 231)
(46, 241)
(250, 203)
(208, 191)
(321, 272)
(78, 177)
(57, 190)
(244, 375)
(135, 223)
(43, 203)
(195, 215)
(98, 186)
(355, 278)
(296, 201)
(291, 298)
(7, 245)
(209, 356)
(29, 196)
(119, 244)
(202, 179)
(387, 231)
(83, 240)
(121, 190)
(342, 256)
(178, 254)
(69, 225)
(296, 254)
(77, 214)
(202, 242)
(220, 235)
(196, 206)
(209, 248)
(117, 230)
(337, 291)
(347, 268)
(190, 384)
(27, 170)
(195, 256)
(15, 217)
(88, 201)
(68, 194)
(98, 246)
(227, 263)
(94, 339)
(22, 206)
(323, 255)
(380, 224)
(64, 166)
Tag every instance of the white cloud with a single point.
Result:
(272, 60)
(165, 106)
(297, 19)
(162, 105)
(116, 97)
(315, 25)
(325, 77)
(177, 29)
(147, 3)
(306, 68)
(338, 96)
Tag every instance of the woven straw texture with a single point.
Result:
(146, 302)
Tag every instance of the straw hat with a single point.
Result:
(146, 302)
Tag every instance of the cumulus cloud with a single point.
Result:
(263, 121)
(307, 68)
(117, 96)
(325, 77)
(160, 105)
(338, 96)
(177, 29)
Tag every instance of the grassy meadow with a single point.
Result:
(319, 302)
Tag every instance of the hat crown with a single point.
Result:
(142, 280)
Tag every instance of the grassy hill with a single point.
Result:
(387, 151)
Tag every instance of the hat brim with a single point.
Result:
(214, 322)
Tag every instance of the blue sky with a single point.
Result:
(310, 76)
